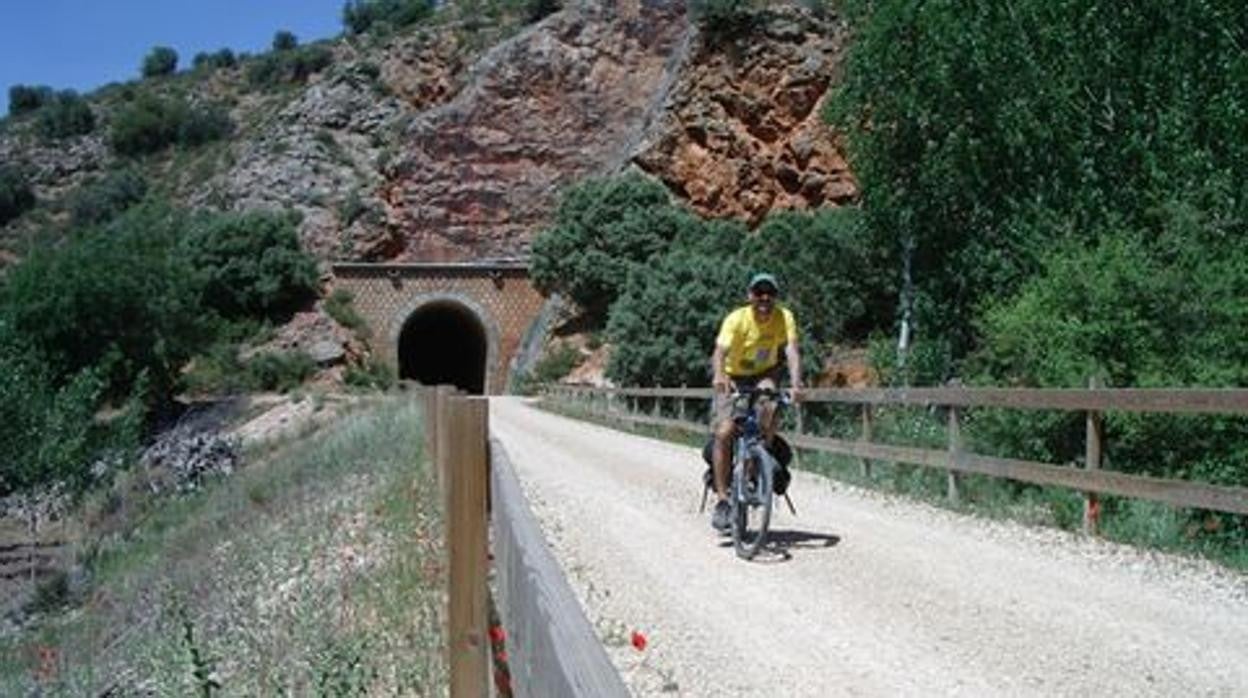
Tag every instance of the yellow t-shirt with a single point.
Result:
(751, 348)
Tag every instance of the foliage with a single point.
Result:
(45, 429)
(250, 264)
(161, 60)
(662, 329)
(16, 196)
(65, 115)
(723, 20)
(339, 305)
(555, 363)
(280, 371)
(603, 228)
(223, 58)
(107, 197)
(831, 274)
(150, 124)
(358, 16)
(294, 65)
(284, 41)
(24, 99)
(369, 376)
(535, 10)
(984, 132)
(111, 299)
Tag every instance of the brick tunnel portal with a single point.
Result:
(444, 343)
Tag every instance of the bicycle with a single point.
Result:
(751, 488)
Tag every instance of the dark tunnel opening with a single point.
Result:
(444, 344)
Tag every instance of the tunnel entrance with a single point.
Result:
(444, 342)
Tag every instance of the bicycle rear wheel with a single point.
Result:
(751, 507)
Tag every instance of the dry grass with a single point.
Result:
(319, 573)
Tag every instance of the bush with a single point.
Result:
(292, 66)
(24, 99)
(114, 299)
(150, 124)
(161, 60)
(663, 327)
(16, 196)
(724, 19)
(369, 376)
(339, 306)
(603, 228)
(358, 16)
(223, 58)
(250, 264)
(106, 198)
(284, 41)
(66, 115)
(282, 372)
(535, 10)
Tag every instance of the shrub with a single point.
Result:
(223, 58)
(161, 60)
(113, 299)
(250, 264)
(16, 196)
(369, 376)
(358, 16)
(284, 41)
(339, 306)
(66, 115)
(723, 19)
(603, 228)
(24, 99)
(150, 124)
(292, 66)
(535, 10)
(108, 197)
(282, 372)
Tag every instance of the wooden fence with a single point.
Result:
(620, 403)
(551, 646)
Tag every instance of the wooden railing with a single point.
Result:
(620, 403)
(551, 646)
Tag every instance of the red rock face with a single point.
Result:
(742, 135)
(559, 102)
(735, 130)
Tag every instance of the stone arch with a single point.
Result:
(447, 338)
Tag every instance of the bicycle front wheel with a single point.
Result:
(751, 504)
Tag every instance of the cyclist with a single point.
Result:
(747, 355)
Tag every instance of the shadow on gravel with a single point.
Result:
(782, 542)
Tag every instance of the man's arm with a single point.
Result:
(795, 367)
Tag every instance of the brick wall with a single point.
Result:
(499, 295)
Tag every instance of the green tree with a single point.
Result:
(603, 228)
(250, 265)
(24, 99)
(66, 115)
(161, 60)
(663, 327)
(150, 124)
(107, 197)
(284, 41)
(113, 300)
(16, 196)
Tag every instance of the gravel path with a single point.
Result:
(864, 594)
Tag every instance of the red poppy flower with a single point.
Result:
(639, 641)
(497, 634)
(501, 656)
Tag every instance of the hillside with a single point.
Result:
(449, 139)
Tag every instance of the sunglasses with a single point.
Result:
(763, 292)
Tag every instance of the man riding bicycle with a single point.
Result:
(747, 355)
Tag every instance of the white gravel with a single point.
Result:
(865, 594)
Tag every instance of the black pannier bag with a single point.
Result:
(779, 449)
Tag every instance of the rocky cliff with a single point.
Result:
(446, 144)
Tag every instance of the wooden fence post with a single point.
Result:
(680, 410)
(866, 438)
(441, 394)
(467, 461)
(1092, 461)
(952, 483)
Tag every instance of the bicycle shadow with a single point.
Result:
(782, 542)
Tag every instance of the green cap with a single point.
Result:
(763, 279)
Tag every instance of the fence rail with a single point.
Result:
(1094, 402)
(551, 646)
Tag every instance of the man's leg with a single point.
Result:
(721, 460)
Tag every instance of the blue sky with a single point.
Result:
(85, 44)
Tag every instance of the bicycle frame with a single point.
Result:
(751, 490)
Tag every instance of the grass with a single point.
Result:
(315, 570)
